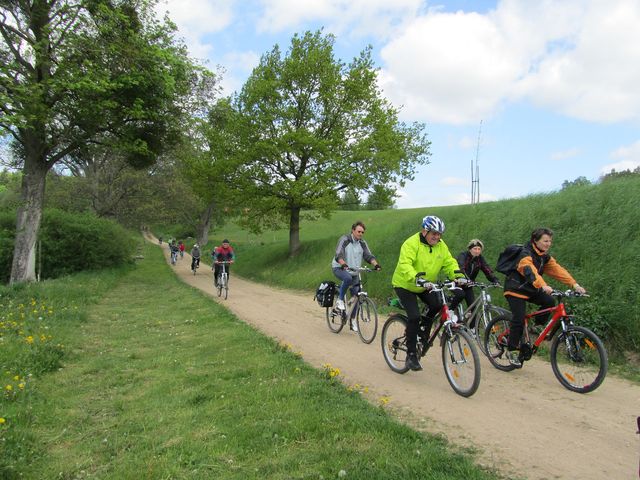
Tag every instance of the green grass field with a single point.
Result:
(131, 374)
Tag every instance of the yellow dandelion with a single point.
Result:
(384, 400)
(16, 378)
(29, 339)
(21, 386)
(8, 388)
(2, 420)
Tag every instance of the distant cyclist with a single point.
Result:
(181, 247)
(174, 249)
(350, 252)
(424, 252)
(195, 256)
(223, 253)
(471, 262)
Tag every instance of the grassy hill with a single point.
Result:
(596, 237)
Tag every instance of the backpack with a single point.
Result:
(509, 258)
(325, 294)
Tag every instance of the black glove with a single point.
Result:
(377, 267)
(345, 266)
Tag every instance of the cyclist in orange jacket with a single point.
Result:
(525, 284)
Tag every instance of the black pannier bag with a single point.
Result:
(325, 294)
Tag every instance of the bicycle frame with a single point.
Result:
(559, 313)
(443, 317)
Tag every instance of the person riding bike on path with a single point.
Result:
(181, 247)
(195, 256)
(173, 247)
(525, 284)
(350, 252)
(223, 253)
(471, 262)
(425, 252)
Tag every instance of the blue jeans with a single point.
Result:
(347, 280)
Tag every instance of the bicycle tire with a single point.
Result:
(483, 321)
(225, 285)
(394, 342)
(219, 286)
(461, 362)
(367, 320)
(495, 337)
(335, 319)
(578, 359)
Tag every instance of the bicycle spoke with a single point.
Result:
(461, 363)
(394, 346)
(367, 319)
(578, 359)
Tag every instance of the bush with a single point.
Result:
(70, 242)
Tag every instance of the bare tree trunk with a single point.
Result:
(202, 233)
(294, 232)
(28, 222)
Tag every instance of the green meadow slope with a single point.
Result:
(596, 238)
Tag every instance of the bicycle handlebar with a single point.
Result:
(568, 293)
(483, 285)
(223, 262)
(360, 269)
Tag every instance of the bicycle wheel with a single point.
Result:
(495, 343)
(335, 319)
(367, 320)
(225, 285)
(461, 362)
(579, 359)
(483, 320)
(219, 285)
(394, 343)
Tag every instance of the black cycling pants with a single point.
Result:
(518, 308)
(409, 301)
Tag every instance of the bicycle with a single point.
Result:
(222, 282)
(195, 264)
(460, 357)
(360, 309)
(578, 357)
(480, 312)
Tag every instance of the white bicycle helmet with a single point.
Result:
(432, 223)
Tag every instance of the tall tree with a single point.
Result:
(316, 127)
(73, 72)
(380, 198)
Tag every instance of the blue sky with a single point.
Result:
(552, 86)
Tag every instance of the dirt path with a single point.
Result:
(524, 422)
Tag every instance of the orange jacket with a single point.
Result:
(526, 281)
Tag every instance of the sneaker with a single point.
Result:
(340, 305)
(412, 362)
(514, 356)
(354, 325)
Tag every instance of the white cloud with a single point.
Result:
(352, 17)
(576, 57)
(565, 154)
(450, 181)
(196, 19)
(628, 158)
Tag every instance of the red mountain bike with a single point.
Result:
(578, 357)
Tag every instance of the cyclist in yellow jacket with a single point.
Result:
(425, 252)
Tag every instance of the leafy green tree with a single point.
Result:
(350, 201)
(75, 72)
(576, 183)
(209, 164)
(315, 127)
(381, 198)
